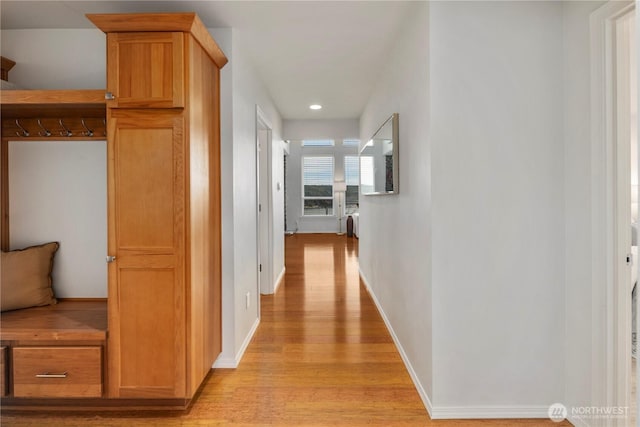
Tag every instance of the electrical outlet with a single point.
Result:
(248, 299)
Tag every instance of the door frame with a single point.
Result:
(611, 217)
(264, 259)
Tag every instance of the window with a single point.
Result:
(317, 184)
(317, 143)
(352, 178)
(351, 143)
(366, 174)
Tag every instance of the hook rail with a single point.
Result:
(77, 128)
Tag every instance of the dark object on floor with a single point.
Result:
(349, 226)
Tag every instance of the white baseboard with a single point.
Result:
(412, 373)
(232, 363)
(579, 422)
(225, 363)
(489, 412)
(455, 412)
(279, 280)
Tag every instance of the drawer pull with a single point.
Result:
(49, 375)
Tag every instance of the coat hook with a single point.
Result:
(44, 131)
(65, 131)
(25, 132)
(89, 132)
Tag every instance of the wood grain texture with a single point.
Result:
(320, 357)
(10, 98)
(6, 66)
(3, 371)
(187, 22)
(65, 321)
(204, 218)
(4, 195)
(146, 70)
(80, 366)
(147, 354)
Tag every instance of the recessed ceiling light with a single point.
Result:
(315, 106)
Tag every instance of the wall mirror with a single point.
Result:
(379, 160)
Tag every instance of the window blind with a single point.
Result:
(351, 170)
(317, 143)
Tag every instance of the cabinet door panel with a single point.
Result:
(147, 345)
(146, 69)
(147, 237)
(145, 196)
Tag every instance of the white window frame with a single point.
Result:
(314, 143)
(332, 198)
(344, 168)
(351, 142)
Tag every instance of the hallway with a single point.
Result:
(328, 354)
(321, 356)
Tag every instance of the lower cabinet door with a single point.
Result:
(57, 371)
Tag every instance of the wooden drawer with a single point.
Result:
(57, 371)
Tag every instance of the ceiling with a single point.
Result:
(306, 52)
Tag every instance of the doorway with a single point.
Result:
(625, 148)
(611, 171)
(624, 125)
(629, 46)
(263, 202)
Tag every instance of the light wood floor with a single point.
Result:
(321, 357)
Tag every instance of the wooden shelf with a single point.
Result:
(52, 103)
(33, 108)
(65, 321)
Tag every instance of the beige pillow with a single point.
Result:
(26, 277)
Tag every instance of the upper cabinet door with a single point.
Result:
(145, 70)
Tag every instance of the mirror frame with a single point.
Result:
(394, 161)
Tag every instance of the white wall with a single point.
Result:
(467, 262)
(223, 37)
(56, 59)
(58, 192)
(395, 231)
(498, 206)
(247, 92)
(296, 131)
(321, 129)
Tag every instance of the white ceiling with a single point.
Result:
(325, 52)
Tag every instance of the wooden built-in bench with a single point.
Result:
(53, 351)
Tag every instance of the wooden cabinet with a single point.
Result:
(57, 371)
(146, 69)
(164, 229)
(163, 331)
